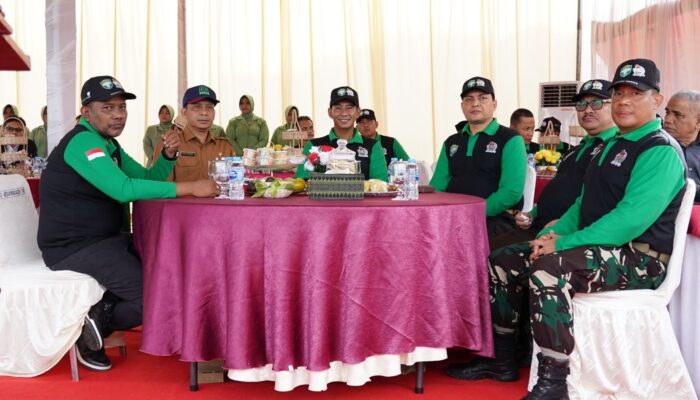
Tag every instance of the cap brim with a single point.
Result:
(198, 99)
(125, 95)
(466, 92)
(579, 96)
(638, 85)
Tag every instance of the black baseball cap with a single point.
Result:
(344, 93)
(199, 93)
(477, 83)
(101, 88)
(556, 124)
(366, 114)
(595, 87)
(638, 72)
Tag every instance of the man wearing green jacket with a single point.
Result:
(617, 235)
(367, 125)
(484, 158)
(247, 131)
(88, 181)
(343, 110)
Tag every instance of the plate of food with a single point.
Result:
(379, 188)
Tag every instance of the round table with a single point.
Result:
(282, 289)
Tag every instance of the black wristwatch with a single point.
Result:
(177, 154)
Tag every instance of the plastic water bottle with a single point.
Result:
(390, 169)
(412, 179)
(531, 160)
(236, 173)
(398, 179)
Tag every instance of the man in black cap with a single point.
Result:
(344, 110)
(367, 125)
(592, 104)
(617, 235)
(198, 144)
(682, 121)
(562, 146)
(484, 158)
(88, 181)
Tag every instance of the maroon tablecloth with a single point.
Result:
(34, 188)
(297, 282)
(694, 227)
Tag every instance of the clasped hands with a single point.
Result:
(171, 142)
(543, 245)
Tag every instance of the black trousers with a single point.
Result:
(113, 263)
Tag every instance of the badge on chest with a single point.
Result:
(619, 158)
(492, 147)
(362, 152)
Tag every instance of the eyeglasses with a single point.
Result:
(10, 129)
(596, 104)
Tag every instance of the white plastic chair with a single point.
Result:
(41, 311)
(625, 345)
(529, 189)
(425, 172)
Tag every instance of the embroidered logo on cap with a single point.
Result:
(626, 70)
(587, 86)
(117, 84)
(203, 91)
(619, 158)
(365, 112)
(453, 149)
(362, 152)
(639, 71)
(345, 91)
(597, 85)
(107, 84)
(491, 147)
(480, 82)
(471, 83)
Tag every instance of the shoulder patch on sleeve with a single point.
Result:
(94, 153)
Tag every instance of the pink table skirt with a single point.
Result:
(694, 227)
(297, 282)
(34, 188)
(540, 184)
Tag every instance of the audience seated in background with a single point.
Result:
(682, 121)
(547, 133)
(522, 121)
(367, 125)
(38, 135)
(290, 113)
(155, 132)
(247, 131)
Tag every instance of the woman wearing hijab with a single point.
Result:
(277, 135)
(8, 111)
(247, 131)
(155, 132)
(38, 135)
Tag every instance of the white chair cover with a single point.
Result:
(529, 189)
(684, 309)
(41, 311)
(625, 346)
(426, 173)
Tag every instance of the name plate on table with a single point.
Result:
(294, 135)
(336, 186)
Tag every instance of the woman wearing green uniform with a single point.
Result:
(247, 131)
(155, 132)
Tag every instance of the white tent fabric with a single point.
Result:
(407, 59)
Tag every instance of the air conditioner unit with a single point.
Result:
(555, 101)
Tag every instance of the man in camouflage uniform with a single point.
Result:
(617, 235)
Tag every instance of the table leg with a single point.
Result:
(419, 378)
(194, 386)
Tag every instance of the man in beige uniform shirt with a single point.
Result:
(197, 145)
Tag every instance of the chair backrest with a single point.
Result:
(675, 265)
(529, 189)
(18, 222)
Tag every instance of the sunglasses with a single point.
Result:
(596, 104)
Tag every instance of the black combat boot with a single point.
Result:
(501, 368)
(551, 382)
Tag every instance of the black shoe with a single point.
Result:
(481, 367)
(551, 382)
(90, 337)
(93, 360)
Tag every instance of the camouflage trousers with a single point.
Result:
(553, 280)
